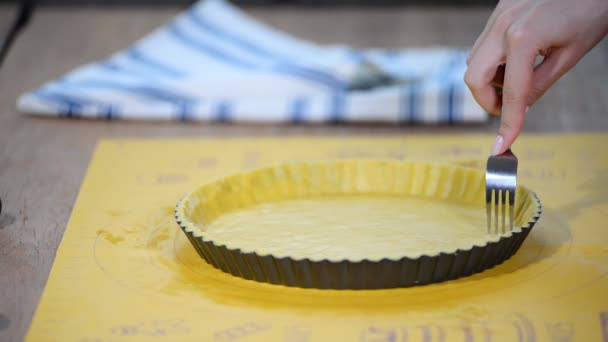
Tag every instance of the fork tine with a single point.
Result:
(511, 208)
(501, 182)
(496, 203)
(503, 205)
(489, 209)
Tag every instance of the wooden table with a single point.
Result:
(42, 161)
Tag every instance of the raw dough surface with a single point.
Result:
(352, 227)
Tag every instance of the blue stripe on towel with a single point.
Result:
(298, 107)
(144, 91)
(450, 103)
(205, 25)
(69, 106)
(336, 110)
(302, 73)
(408, 103)
(207, 49)
(184, 111)
(403, 104)
(282, 66)
(73, 110)
(458, 103)
(413, 104)
(223, 111)
(113, 67)
(110, 113)
(450, 89)
(156, 66)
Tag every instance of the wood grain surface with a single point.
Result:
(42, 161)
(7, 17)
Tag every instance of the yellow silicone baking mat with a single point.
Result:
(125, 272)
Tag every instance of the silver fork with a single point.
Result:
(501, 183)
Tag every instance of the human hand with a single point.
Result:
(517, 32)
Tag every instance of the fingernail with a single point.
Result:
(497, 145)
(527, 109)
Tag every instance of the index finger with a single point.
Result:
(519, 71)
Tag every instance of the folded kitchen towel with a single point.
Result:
(214, 63)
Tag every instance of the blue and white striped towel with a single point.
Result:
(214, 63)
